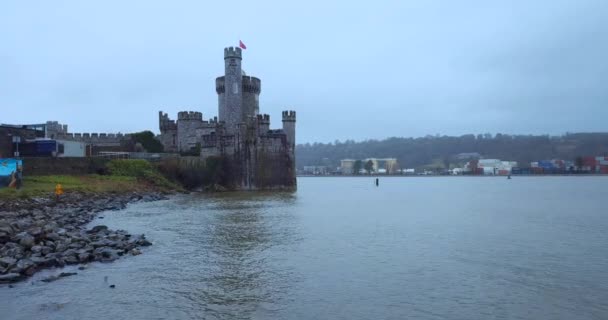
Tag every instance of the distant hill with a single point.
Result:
(434, 150)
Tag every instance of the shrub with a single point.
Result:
(148, 141)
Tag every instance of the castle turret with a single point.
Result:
(168, 132)
(251, 96)
(263, 123)
(289, 127)
(231, 97)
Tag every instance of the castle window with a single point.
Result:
(235, 88)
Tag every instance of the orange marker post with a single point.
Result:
(58, 191)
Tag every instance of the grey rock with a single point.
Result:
(25, 239)
(46, 250)
(71, 260)
(50, 227)
(84, 257)
(43, 261)
(108, 255)
(52, 236)
(67, 274)
(10, 277)
(36, 232)
(4, 237)
(8, 262)
(97, 229)
(7, 229)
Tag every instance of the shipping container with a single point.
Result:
(71, 148)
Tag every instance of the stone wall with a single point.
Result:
(63, 166)
(186, 134)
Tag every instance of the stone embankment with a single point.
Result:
(39, 233)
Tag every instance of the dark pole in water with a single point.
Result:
(377, 182)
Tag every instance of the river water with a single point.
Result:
(342, 248)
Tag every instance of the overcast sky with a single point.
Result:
(351, 69)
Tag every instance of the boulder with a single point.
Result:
(97, 229)
(10, 277)
(108, 255)
(46, 250)
(43, 261)
(84, 257)
(25, 239)
(7, 229)
(4, 237)
(7, 262)
(52, 236)
(36, 232)
(50, 227)
(71, 260)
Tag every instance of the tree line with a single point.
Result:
(443, 150)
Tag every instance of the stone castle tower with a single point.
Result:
(238, 94)
(258, 157)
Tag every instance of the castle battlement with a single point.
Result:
(93, 137)
(165, 123)
(233, 52)
(263, 118)
(289, 116)
(189, 115)
(252, 85)
(220, 85)
(54, 128)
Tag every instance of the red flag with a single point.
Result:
(242, 45)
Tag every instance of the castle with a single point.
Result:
(256, 156)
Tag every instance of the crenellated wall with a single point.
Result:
(95, 138)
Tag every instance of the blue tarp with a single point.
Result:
(8, 166)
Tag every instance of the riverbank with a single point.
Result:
(38, 232)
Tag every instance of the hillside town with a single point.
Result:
(476, 166)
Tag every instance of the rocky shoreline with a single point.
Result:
(40, 233)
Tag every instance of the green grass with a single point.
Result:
(143, 171)
(125, 176)
(35, 186)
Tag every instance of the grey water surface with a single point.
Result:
(342, 248)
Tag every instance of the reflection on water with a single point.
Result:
(243, 277)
